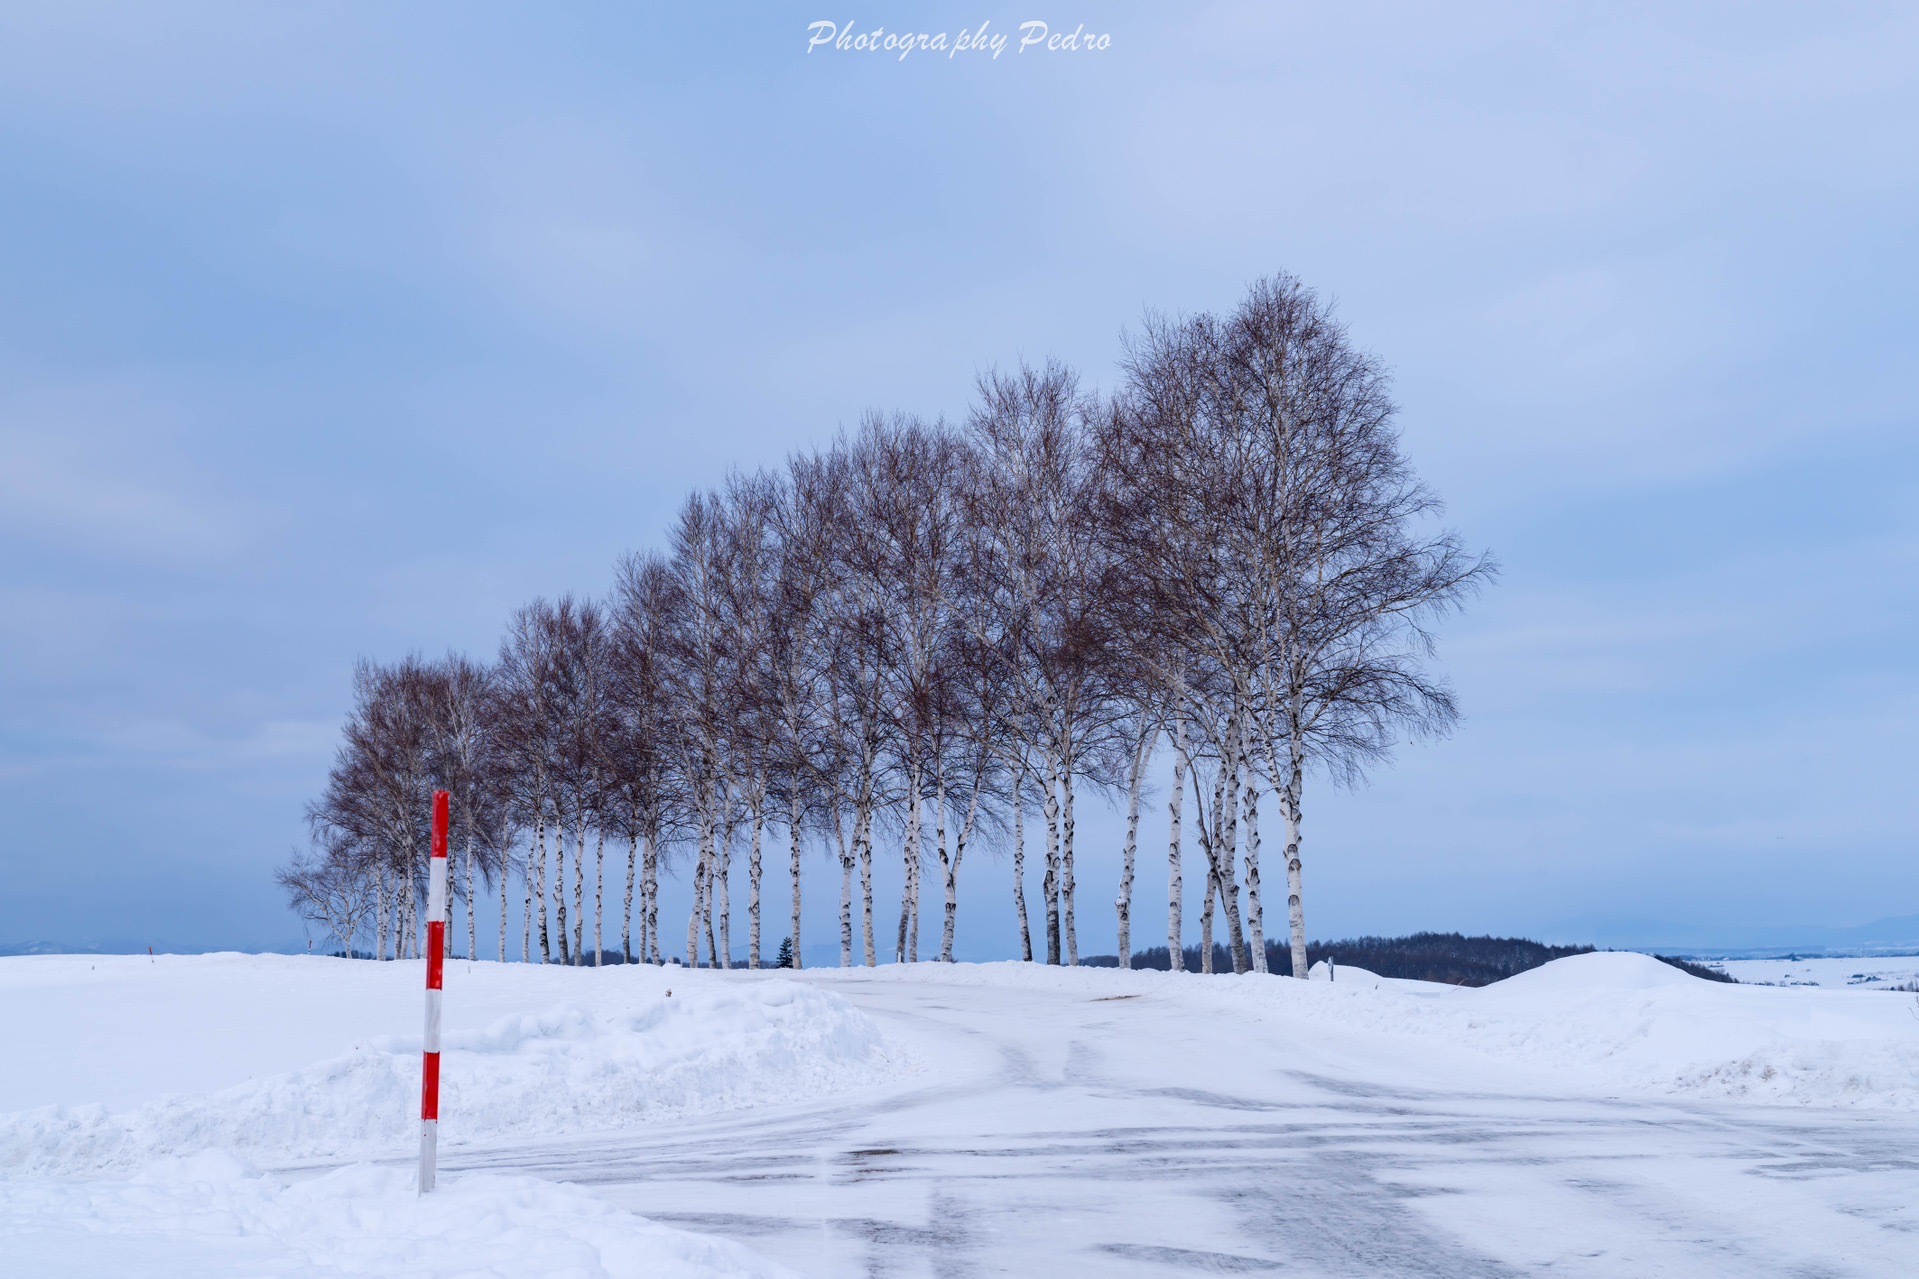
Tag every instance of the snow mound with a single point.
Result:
(566, 1070)
(211, 1215)
(1630, 1022)
(1600, 970)
(1343, 974)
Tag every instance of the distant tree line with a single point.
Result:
(927, 637)
(1451, 958)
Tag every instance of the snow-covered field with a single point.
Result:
(1879, 972)
(1604, 1115)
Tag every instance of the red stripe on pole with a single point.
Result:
(430, 1086)
(435, 971)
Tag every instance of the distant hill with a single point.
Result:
(48, 948)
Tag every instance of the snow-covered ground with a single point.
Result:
(1604, 1115)
(1880, 972)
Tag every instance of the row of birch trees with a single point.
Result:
(926, 639)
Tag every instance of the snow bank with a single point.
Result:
(1629, 1021)
(210, 1215)
(1599, 1024)
(710, 1046)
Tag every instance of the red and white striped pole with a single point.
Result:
(435, 968)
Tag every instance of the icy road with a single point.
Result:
(1064, 1129)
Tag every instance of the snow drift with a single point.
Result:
(569, 1069)
(1631, 1022)
(1594, 1024)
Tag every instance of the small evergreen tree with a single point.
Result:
(786, 954)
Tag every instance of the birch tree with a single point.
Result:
(645, 742)
(1265, 499)
(750, 602)
(530, 699)
(466, 758)
(1042, 568)
(861, 655)
(698, 653)
(803, 759)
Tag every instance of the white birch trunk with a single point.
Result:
(1050, 886)
(1220, 844)
(703, 876)
(1067, 892)
(722, 920)
(846, 890)
(712, 945)
(699, 901)
(579, 893)
(1124, 904)
(863, 841)
(846, 911)
(1019, 880)
(559, 894)
(1228, 879)
(1206, 923)
(626, 912)
(845, 859)
(939, 845)
(951, 924)
(919, 882)
(526, 913)
(1255, 911)
(472, 915)
(1175, 884)
(379, 913)
(650, 901)
(599, 896)
(909, 857)
(793, 829)
(1295, 876)
(539, 832)
(753, 887)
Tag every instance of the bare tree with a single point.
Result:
(466, 758)
(908, 509)
(326, 887)
(748, 514)
(644, 741)
(968, 747)
(1264, 497)
(378, 794)
(531, 700)
(697, 671)
(1044, 570)
(860, 660)
(803, 760)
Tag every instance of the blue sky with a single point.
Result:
(330, 331)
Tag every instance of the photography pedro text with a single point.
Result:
(981, 40)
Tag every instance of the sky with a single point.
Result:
(340, 331)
